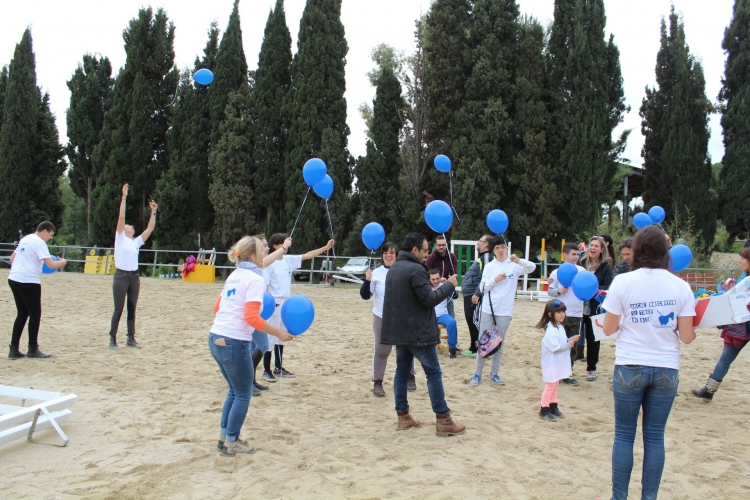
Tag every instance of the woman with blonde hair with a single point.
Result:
(230, 340)
(595, 260)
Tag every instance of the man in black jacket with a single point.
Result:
(410, 324)
(626, 250)
(470, 290)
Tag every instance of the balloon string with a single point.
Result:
(450, 181)
(450, 261)
(333, 248)
(300, 212)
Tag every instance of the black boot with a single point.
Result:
(555, 411)
(14, 353)
(452, 353)
(707, 393)
(544, 414)
(257, 357)
(34, 352)
(113, 342)
(132, 343)
(579, 353)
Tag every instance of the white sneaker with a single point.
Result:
(496, 379)
(475, 380)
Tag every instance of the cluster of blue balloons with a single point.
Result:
(584, 283)
(655, 215)
(315, 173)
(48, 270)
(204, 76)
(297, 313)
(373, 235)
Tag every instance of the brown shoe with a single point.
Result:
(377, 388)
(406, 421)
(445, 426)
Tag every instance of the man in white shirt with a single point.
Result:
(25, 281)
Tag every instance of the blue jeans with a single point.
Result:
(428, 357)
(260, 341)
(449, 323)
(236, 365)
(728, 355)
(451, 308)
(654, 389)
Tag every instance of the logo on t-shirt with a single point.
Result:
(23, 249)
(231, 292)
(664, 319)
(642, 312)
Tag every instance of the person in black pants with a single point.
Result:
(471, 293)
(598, 263)
(25, 281)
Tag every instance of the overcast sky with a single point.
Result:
(65, 30)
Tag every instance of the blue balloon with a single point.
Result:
(48, 270)
(269, 306)
(203, 76)
(442, 163)
(641, 220)
(497, 221)
(324, 188)
(373, 235)
(657, 214)
(566, 273)
(585, 285)
(314, 171)
(297, 313)
(439, 216)
(680, 257)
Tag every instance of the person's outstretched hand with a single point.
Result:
(125, 190)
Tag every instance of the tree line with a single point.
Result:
(526, 113)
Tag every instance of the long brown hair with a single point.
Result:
(550, 309)
(587, 256)
(650, 249)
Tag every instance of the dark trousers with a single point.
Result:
(572, 328)
(28, 297)
(473, 330)
(126, 285)
(278, 351)
(592, 345)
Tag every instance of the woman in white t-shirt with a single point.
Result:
(126, 283)
(653, 311)
(238, 310)
(498, 286)
(279, 281)
(25, 281)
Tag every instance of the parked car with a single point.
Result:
(356, 266)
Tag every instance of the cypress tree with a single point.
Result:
(231, 191)
(3, 85)
(735, 122)
(537, 199)
(90, 93)
(186, 215)
(133, 146)
(230, 72)
(316, 112)
(585, 85)
(30, 152)
(675, 126)
(272, 80)
(482, 149)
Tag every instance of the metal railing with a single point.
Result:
(321, 268)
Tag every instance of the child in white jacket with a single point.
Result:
(499, 284)
(555, 356)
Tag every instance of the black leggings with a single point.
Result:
(473, 330)
(278, 350)
(125, 284)
(592, 345)
(28, 297)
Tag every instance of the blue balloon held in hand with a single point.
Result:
(443, 163)
(439, 216)
(373, 235)
(297, 313)
(641, 220)
(585, 285)
(203, 76)
(48, 270)
(566, 273)
(324, 188)
(314, 171)
(680, 257)
(269, 306)
(497, 221)
(657, 214)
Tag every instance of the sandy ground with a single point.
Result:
(146, 421)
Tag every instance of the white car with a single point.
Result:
(356, 266)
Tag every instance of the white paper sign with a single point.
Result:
(739, 307)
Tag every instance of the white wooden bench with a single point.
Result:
(17, 422)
